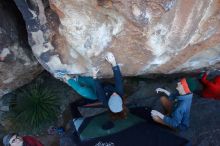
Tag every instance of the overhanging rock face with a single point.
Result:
(157, 36)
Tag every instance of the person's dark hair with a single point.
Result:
(122, 114)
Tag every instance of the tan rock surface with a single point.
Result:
(157, 36)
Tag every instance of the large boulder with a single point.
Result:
(157, 36)
(18, 66)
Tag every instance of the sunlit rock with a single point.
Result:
(157, 36)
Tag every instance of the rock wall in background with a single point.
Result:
(157, 36)
(17, 63)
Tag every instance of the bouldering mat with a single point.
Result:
(94, 126)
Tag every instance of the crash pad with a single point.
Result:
(94, 126)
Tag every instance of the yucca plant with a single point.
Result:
(34, 108)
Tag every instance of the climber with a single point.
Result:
(112, 96)
(211, 89)
(177, 107)
(93, 90)
(13, 139)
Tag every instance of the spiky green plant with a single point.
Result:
(33, 108)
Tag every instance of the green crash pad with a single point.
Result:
(194, 84)
(94, 127)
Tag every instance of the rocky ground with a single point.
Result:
(205, 118)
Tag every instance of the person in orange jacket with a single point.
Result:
(13, 139)
(211, 88)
